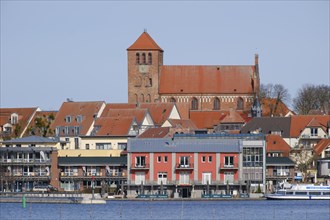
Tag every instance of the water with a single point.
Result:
(260, 209)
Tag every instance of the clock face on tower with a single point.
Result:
(143, 68)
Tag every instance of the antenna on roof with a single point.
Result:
(145, 30)
(69, 99)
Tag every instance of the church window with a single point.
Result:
(172, 100)
(149, 58)
(194, 104)
(142, 98)
(136, 98)
(143, 58)
(137, 58)
(216, 104)
(148, 98)
(240, 104)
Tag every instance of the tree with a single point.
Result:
(277, 92)
(42, 125)
(311, 97)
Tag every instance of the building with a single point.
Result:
(217, 87)
(187, 164)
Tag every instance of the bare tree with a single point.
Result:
(311, 97)
(277, 92)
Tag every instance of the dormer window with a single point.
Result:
(14, 118)
(79, 118)
(68, 119)
(314, 132)
(149, 58)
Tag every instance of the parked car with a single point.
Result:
(44, 188)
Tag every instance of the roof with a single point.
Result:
(321, 146)
(207, 119)
(182, 123)
(268, 104)
(144, 42)
(232, 117)
(206, 79)
(160, 132)
(113, 126)
(266, 125)
(300, 122)
(31, 140)
(46, 118)
(183, 145)
(274, 161)
(159, 112)
(88, 110)
(139, 114)
(275, 143)
(78, 161)
(119, 106)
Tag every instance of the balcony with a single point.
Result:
(308, 136)
(228, 166)
(135, 166)
(189, 166)
(280, 175)
(21, 161)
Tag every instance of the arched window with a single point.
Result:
(172, 99)
(240, 103)
(143, 58)
(137, 58)
(194, 104)
(149, 58)
(142, 98)
(136, 98)
(216, 104)
(148, 98)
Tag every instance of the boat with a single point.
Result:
(301, 191)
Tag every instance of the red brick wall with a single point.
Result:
(162, 166)
(54, 181)
(207, 166)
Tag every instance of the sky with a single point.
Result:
(54, 50)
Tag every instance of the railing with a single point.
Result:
(186, 182)
(310, 136)
(26, 174)
(180, 166)
(224, 166)
(279, 175)
(135, 166)
(25, 161)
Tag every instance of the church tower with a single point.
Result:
(145, 59)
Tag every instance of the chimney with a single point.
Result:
(256, 59)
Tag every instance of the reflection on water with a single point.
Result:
(261, 209)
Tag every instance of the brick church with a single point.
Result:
(191, 87)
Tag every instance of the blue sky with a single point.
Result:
(55, 50)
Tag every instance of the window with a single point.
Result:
(184, 161)
(240, 104)
(143, 58)
(149, 58)
(68, 119)
(142, 98)
(159, 159)
(216, 104)
(137, 58)
(162, 178)
(206, 178)
(14, 119)
(165, 159)
(140, 161)
(140, 178)
(210, 159)
(87, 146)
(172, 100)
(229, 161)
(203, 159)
(314, 132)
(76, 130)
(103, 146)
(79, 118)
(148, 98)
(194, 104)
(57, 131)
(66, 130)
(76, 143)
(122, 146)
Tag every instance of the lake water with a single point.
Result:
(121, 209)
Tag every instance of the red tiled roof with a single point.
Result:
(113, 126)
(299, 122)
(314, 123)
(45, 115)
(144, 42)
(139, 114)
(207, 119)
(160, 132)
(88, 110)
(182, 123)
(183, 109)
(206, 79)
(268, 103)
(119, 106)
(233, 117)
(321, 146)
(24, 116)
(275, 143)
(159, 112)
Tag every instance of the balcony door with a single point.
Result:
(229, 177)
(140, 161)
(184, 178)
(140, 178)
(162, 178)
(206, 178)
(184, 161)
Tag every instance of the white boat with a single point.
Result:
(301, 191)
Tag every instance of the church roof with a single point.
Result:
(144, 42)
(206, 79)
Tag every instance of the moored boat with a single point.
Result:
(301, 191)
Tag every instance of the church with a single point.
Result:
(190, 87)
